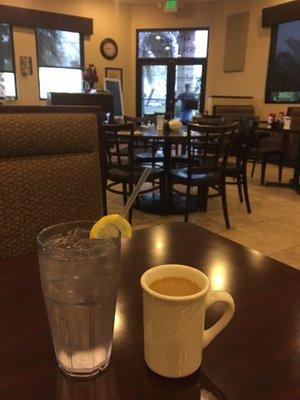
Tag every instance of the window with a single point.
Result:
(7, 64)
(60, 61)
(283, 83)
(173, 44)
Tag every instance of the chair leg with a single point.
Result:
(162, 191)
(246, 193)
(104, 197)
(281, 161)
(224, 204)
(263, 170)
(124, 189)
(187, 205)
(239, 185)
(202, 195)
(204, 192)
(253, 167)
(131, 208)
(169, 194)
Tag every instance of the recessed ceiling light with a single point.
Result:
(167, 48)
(149, 51)
(157, 37)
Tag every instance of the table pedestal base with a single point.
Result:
(151, 203)
(292, 185)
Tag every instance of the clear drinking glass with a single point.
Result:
(80, 279)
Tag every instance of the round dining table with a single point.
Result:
(151, 202)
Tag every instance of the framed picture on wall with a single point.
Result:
(114, 73)
(26, 65)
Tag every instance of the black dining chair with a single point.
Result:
(148, 151)
(118, 163)
(181, 159)
(266, 148)
(207, 149)
(238, 169)
(209, 120)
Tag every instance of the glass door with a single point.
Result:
(188, 90)
(154, 89)
(171, 71)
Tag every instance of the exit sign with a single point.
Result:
(170, 6)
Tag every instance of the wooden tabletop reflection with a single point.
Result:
(255, 357)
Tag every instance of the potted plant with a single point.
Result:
(90, 76)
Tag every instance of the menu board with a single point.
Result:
(113, 86)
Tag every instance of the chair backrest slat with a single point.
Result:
(208, 147)
(246, 137)
(117, 149)
(209, 120)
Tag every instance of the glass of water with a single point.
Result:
(80, 279)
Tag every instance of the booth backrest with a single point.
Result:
(233, 112)
(49, 173)
(5, 109)
(294, 112)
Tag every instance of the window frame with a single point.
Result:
(272, 55)
(171, 62)
(11, 32)
(81, 50)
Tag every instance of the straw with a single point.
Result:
(135, 192)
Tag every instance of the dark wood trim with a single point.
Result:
(102, 99)
(43, 19)
(229, 97)
(282, 13)
(49, 109)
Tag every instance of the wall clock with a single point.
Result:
(109, 48)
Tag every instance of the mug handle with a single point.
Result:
(218, 297)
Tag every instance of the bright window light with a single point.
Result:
(59, 80)
(7, 84)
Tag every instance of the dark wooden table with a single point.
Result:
(256, 357)
(151, 202)
(294, 183)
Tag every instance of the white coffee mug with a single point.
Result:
(174, 334)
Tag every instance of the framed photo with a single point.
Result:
(114, 73)
(114, 86)
(26, 65)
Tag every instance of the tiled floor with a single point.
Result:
(273, 228)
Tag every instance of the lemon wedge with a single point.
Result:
(110, 226)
